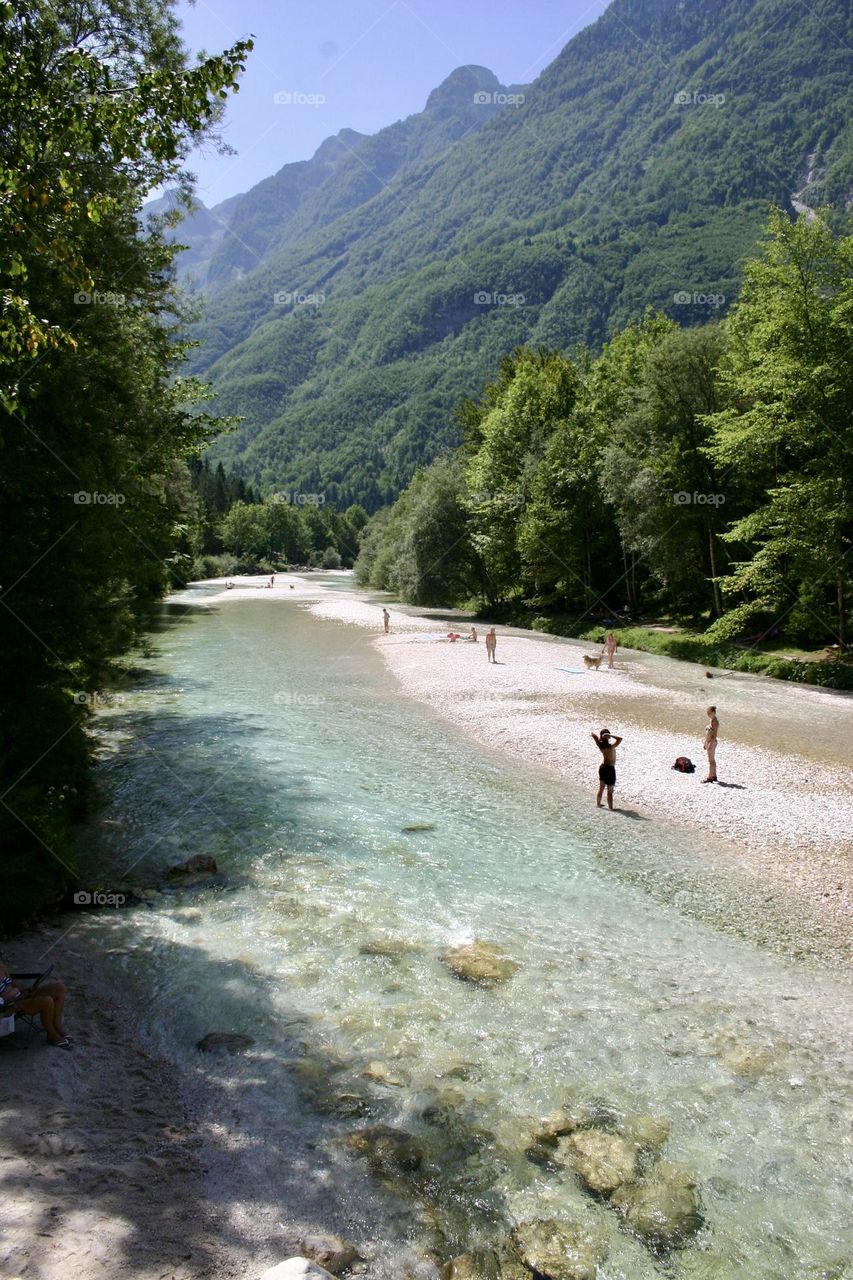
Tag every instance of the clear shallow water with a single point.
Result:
(274, 742)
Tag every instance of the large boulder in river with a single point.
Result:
(389, 1150)
(483, 963)
(330, 1252)
(663, 1210)
(555, 1250)
(487, 1264)
(603, 1161)
(199, 867)
(224, 1042)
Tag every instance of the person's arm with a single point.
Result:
(596, 740)
(615, 742)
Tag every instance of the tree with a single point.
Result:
(789, 376)
(669, 496)
(534, 395)
(99, 106)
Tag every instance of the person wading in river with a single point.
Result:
(607, 745)
(710, 743)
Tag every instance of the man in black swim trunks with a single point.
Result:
(607, 745)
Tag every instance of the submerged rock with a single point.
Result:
(381, 1074)
(342, 1103)
(199, 867)
(482, 963)
(603, 1161)
(224, 1042)
(749, 1062)
(502, 1263)
(419, 826)
(389, 1150)
(480, 1264)
(649, 1132)
(663, 1210)
(390, 948)
(556, 1250)
(331, 1252)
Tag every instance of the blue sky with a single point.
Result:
(360, 64)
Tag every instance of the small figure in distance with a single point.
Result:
(607, 745)
(491, 645)
(611, 647)
(272, 581)
(386, 619)
(710, 743)
(473, 636)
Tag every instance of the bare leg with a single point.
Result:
(44, 1007)
(600, 794)
(610, 797)
(56, 990)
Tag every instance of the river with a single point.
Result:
(276, 743)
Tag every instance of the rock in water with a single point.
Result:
(389, 1150)
(556, 1250)
(198, 867)
(296, 1269)
(224, 1042)
(480, 962)
(419, 826)
(481, 1264)
(649, 1132)
(381, 1074)
(388, 948)
(603, 1161)
(663, 1210)
(330, 1252)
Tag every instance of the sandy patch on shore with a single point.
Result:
(784, 812)
(101, 1173)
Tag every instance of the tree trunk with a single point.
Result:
(712, 555)
(842, 608)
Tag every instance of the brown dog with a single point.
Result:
(591, 663)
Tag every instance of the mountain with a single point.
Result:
(637, 170)
(231, 239)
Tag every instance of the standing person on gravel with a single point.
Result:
(491, 645)
(710, 743)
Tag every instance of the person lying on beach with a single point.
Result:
(607, 745)
(46, 1002)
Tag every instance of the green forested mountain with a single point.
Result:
(637, 171)
(228, 241)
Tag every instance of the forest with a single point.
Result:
(702, 475)
(98, 419)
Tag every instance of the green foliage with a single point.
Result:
(790, 375)
(599, 487)
(96, 421)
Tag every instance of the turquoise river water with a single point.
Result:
(276, 743)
